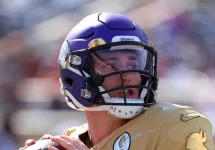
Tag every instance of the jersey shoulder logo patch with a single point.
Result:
(123, 142)
(196, 141)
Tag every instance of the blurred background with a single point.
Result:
(31, 34)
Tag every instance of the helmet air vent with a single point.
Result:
(69, 81)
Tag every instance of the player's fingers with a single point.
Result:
(63, 143)
(46, 136)
(77, 143)
(30, 142)
(22, 148)
(52, 148)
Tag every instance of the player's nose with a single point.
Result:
(125, 79)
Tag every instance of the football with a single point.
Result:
(43, 145)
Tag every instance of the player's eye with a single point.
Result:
(132, 67)
(110, 66)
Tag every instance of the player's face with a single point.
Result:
(117, 61)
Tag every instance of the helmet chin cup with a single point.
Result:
(122, 111)
(127, 113)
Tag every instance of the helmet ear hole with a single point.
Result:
(69, 81)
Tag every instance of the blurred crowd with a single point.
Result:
(31, 33)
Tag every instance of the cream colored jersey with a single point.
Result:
(164, 126)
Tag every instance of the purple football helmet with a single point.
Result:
(99, 49)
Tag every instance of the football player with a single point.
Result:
(108, 69)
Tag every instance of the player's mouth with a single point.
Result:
(129, 93)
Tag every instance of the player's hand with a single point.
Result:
(68, 143)
(30, 142)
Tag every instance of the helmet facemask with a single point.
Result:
(121, 77)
